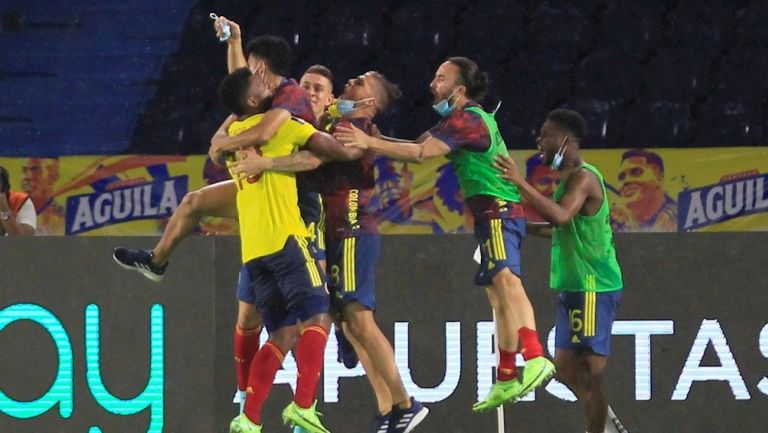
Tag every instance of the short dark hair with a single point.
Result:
(275, 51)
(233, 89)
(391, 91)
(650, 157)
(5, 182)
(320, 70)
(569, 120)
(472, 78)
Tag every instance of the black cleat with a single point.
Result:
(140, 261)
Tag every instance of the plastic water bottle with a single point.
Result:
(225, 29)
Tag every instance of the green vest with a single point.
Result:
(475, 170)
(583, 254)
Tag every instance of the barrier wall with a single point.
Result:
(86, 346)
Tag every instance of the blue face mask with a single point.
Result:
(343, 107)
(443, 107)
(557, 160)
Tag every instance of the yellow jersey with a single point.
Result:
(267, 204)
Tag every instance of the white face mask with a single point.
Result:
(343, 107)
(557, 161)
(443, 107)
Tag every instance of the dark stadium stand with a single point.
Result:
(141, 77)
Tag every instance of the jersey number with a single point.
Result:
(250, 179)
(335, 274)
(574, 318)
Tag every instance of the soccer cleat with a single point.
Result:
(535, 373)
(140, 261)
(612, 423)
(346, 353)
(503, 391)
(380, 423)
(618, 425)
(304, 418)
(405, 420)
(241, 424)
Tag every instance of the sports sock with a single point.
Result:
(529, 339)
(506, 369)
(264, 367)
(246, 346)
(309, 359)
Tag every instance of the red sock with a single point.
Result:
(263, 370)
(309, 359)
(529, 339)
(246, 345)
(506, 369)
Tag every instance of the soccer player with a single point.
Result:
(269, 55)
(219, 199)
(279, 275)
(317, 82)
(353, 249)
(584, 270)
(470, 139)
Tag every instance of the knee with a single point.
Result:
(508, 286)
(321, 319)
(595, 379)
(249, 320)
(285, 338)
(359, 327)
(565, 374)
(192, 202)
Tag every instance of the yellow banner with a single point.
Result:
(668, 190)
(112, 195)
(659, 190)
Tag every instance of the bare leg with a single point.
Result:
(380, 389)
(218, 200)
(364, 329)
(285, 338)
(596, 403)
(248, 316)
(583, 374)
(513, 309)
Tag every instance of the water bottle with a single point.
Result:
(225, 29)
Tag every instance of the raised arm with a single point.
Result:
(256, 136)
(235, 56)
(322, 148)
(326, 147)
(410, 151)
(254, 164)
(217, 156)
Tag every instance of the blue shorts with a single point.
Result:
(311, 209)
(317, 240)
(500, 241)
(585, 319)
(352, 269)
(245, 294)
(285, 286)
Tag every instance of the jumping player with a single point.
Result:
(470, 139)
